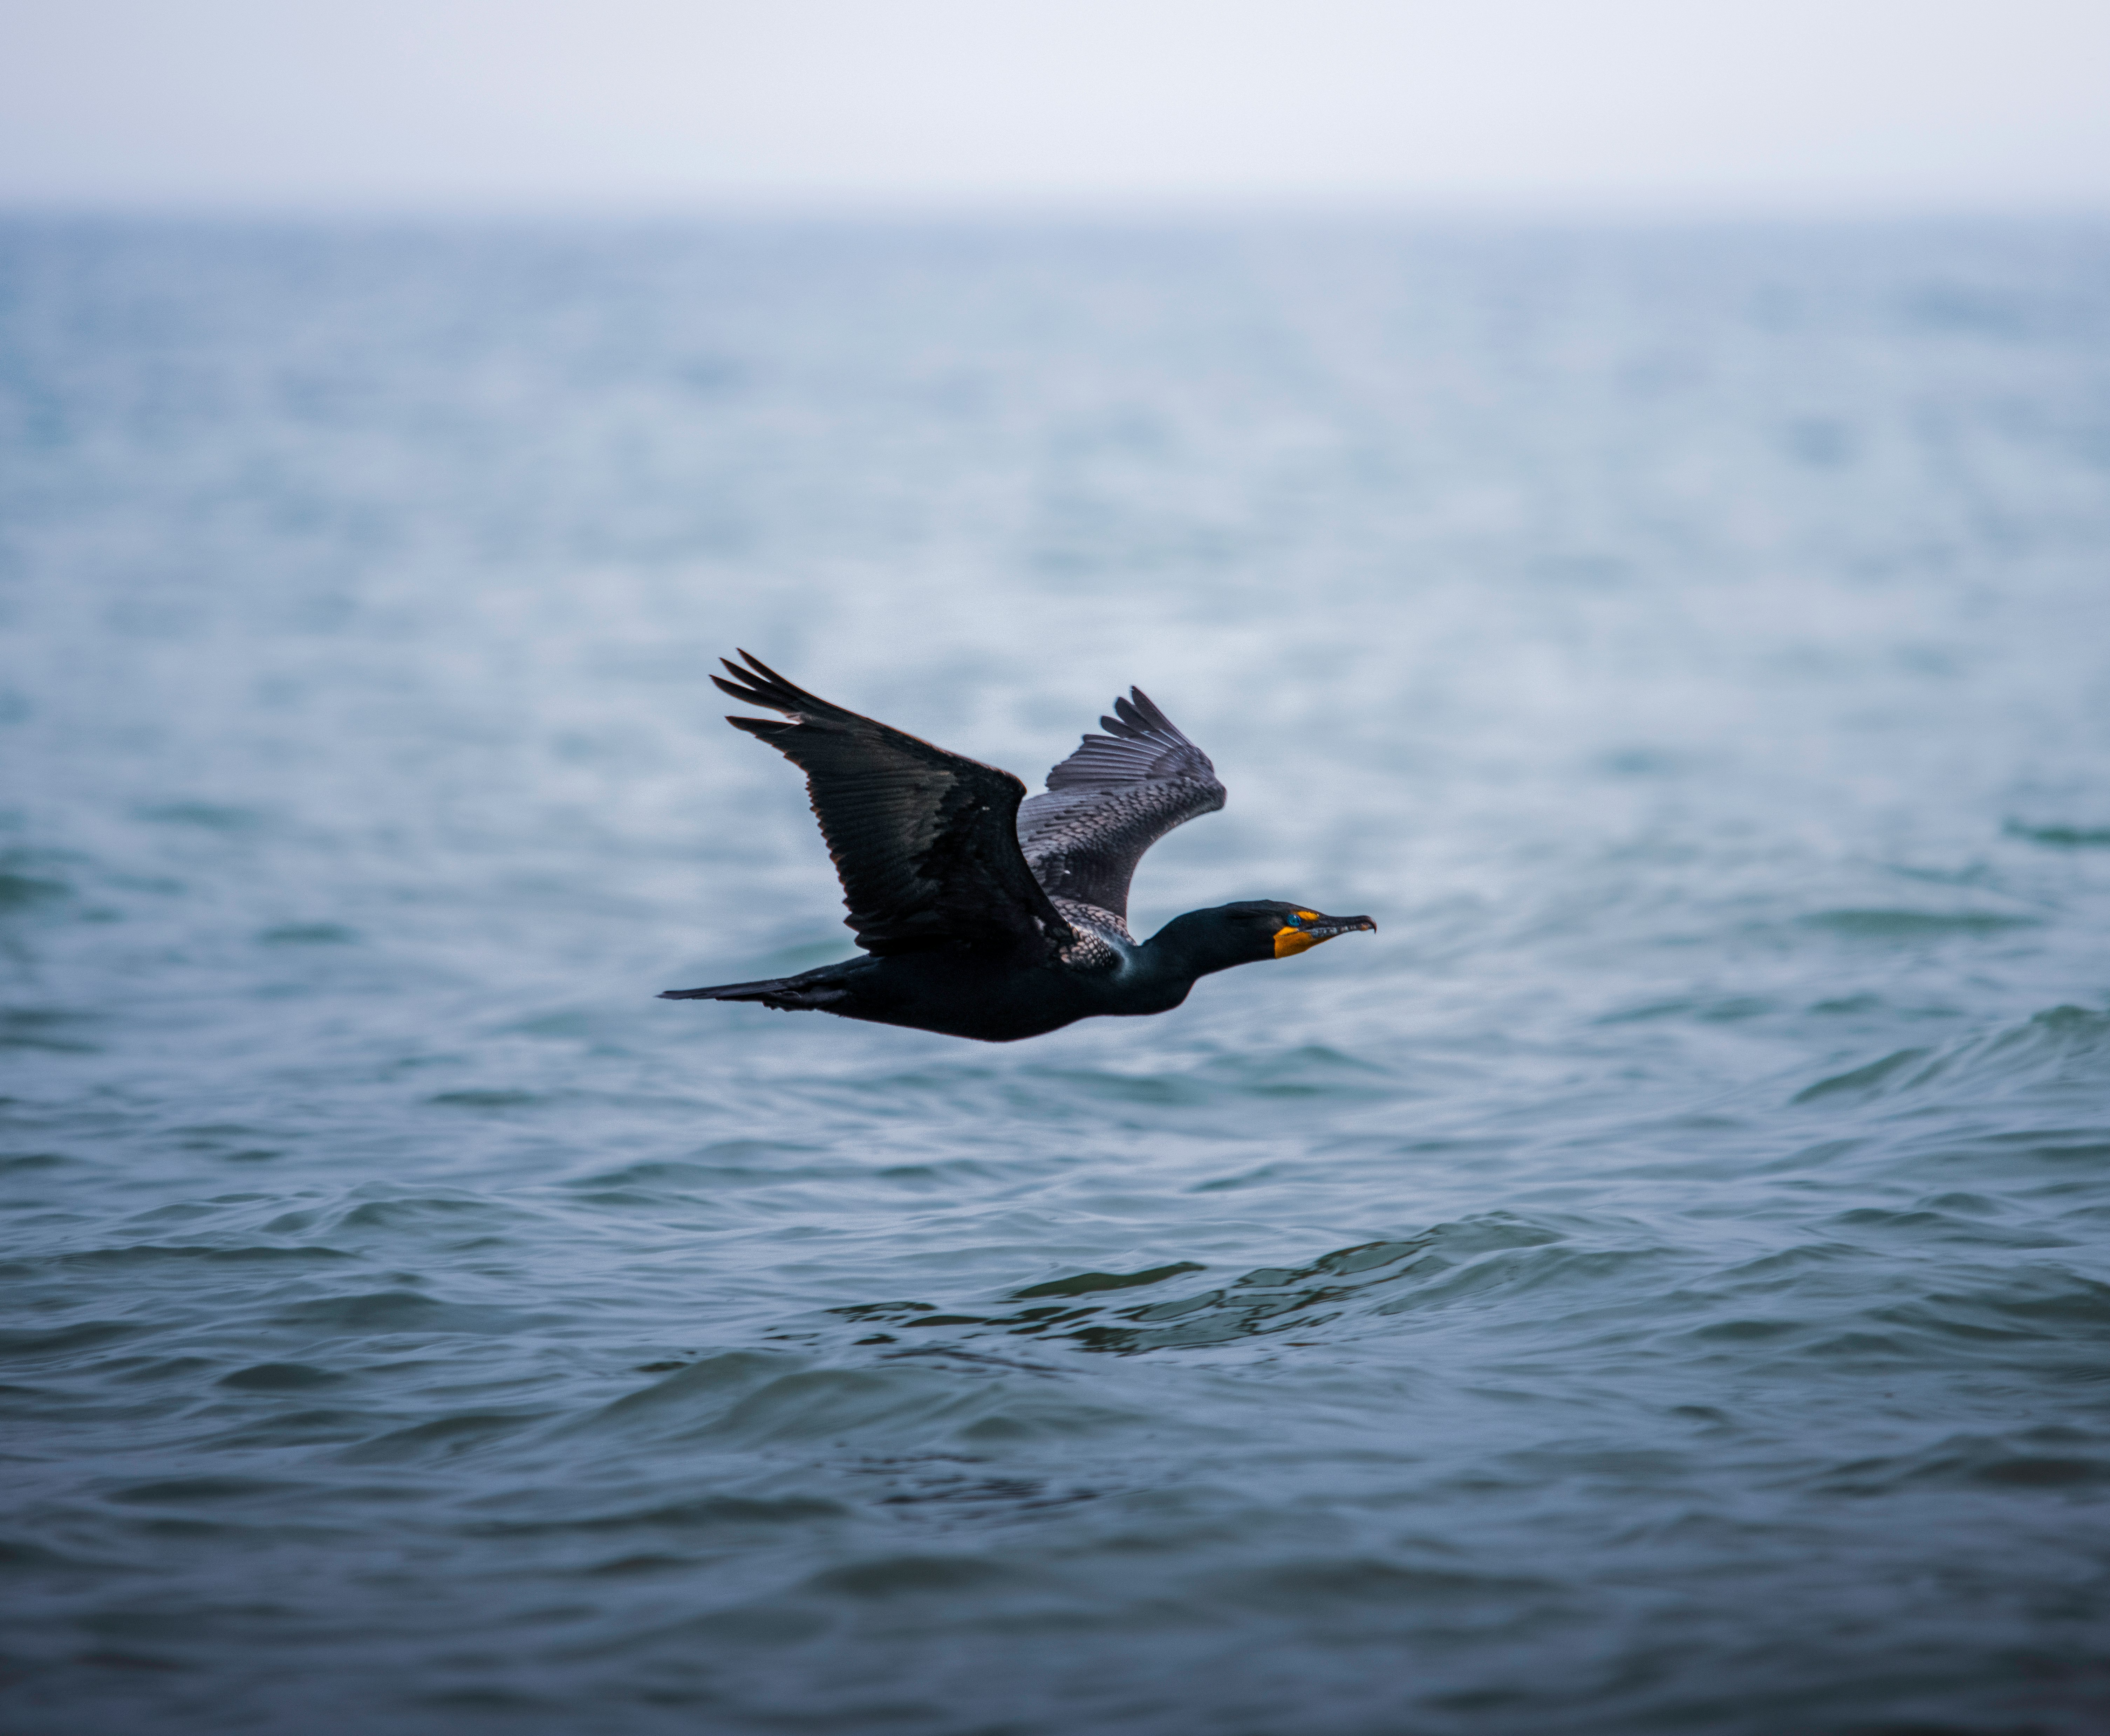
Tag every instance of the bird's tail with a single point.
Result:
(813, 991)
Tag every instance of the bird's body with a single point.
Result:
(962, 994)
(985, 916)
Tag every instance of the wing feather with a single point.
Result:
(925, 842)
(1112, 798)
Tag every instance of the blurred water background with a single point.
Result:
(1658, 1282)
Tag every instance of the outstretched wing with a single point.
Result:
(925, 842)
(1111, 800)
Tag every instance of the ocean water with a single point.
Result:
(1660, 1281)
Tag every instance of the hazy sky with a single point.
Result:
(1818, 105)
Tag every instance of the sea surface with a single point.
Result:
(1659, 1282)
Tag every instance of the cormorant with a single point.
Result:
(985, 918)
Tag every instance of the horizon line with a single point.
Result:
(1118, 210)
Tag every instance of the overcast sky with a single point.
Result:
(1505, 104)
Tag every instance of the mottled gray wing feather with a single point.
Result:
(925, 842)
(1111, 800)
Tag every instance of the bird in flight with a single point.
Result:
(985, 915)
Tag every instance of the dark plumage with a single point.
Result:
(983, 917)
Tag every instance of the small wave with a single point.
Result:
(1861, 1082)
(702, 1513)
(150, 1254)
(2036, 1313)
(1311, 1070)
(49, 1029)
(490, 1100)
(1087, 1283)
(1889, 925)
(1928, 1224)
(729, 1372)
(35, 1560)
(26, 892)
(62, 1341)
(2050, 1458)
(399, 1311)
(714, 1165)
(891, 1576)
(1730, 1009)
(418, 1213)
(221, 817)
(309, 934)
(443, 1437)
(1351, 1585)
(2062, 838)
(1371, 1279)
(280, 1377)
(755, 1400)
(2064, 1046)
(191, 1491)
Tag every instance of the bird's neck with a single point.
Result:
(1195, 945)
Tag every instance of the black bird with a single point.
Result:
(986, 919)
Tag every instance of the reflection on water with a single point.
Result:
(1657, 1284)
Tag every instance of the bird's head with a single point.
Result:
(1254, 929)
(1278, 930)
